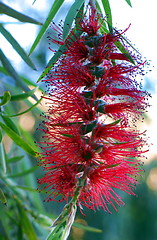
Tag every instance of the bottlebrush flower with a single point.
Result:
(102, 182)
(89, 141)
(90, 24)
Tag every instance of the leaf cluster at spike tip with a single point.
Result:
(89, 131)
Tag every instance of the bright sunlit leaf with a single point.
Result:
(23, 96)
(12, 72)
(71, 16)
(15, 14)
(17, 46)
(108, 13)
(53, 11)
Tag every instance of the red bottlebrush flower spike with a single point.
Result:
(90, 24)
(90, 141)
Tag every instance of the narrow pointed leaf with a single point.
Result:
(5, 98)
(10, 124)
(71, 16)
(115, 122)
(15, 159)
(79, 16)
(15, 14)
(3, 159)
(2, 197)
(12, 72)
(29, 109)
(129, 2)
(29, 189)
(18, 140)
(103, 28)
(17, 47)
(129, 43)
(68, 135)
(124, 51)
(99, 9)
(26, 188)
(52, 61)
(1, 136)
(108, 13)
(23, 96)
(55, 57)
(21, 174)
(87, 228)
(53, 11)
(26, 224)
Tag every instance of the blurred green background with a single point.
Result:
(23, 213)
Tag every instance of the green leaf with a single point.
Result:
(6, 63)
(15, 14)
(29, 109)
(26, 224)
(71, 16)
(40, 218)
(113, 165)
(68, 135)
(79, 16)
(53, 11)
(129, 43)
(17, 47)
(26, 188)
(5, 98)
(87, 228)
(115, 122)
(55, 57)
(15, 159)
(29, 189)
(108, 13)
(52, 61)
(8, 66)
(3, 159)
(18, 140)
(86, 128)
(1, 136)
(21, 174)
(102, 21)
(62, 225)
(23, 96)
(124, 51)
(129, 2)
(103, 28)
(2, 197)
(10, 124)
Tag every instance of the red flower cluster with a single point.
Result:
(94, 102)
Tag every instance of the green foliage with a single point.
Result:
(15, 14)
(16, 46)
(53, 11)
(70, 17)
(108, 13)
(129, 2)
